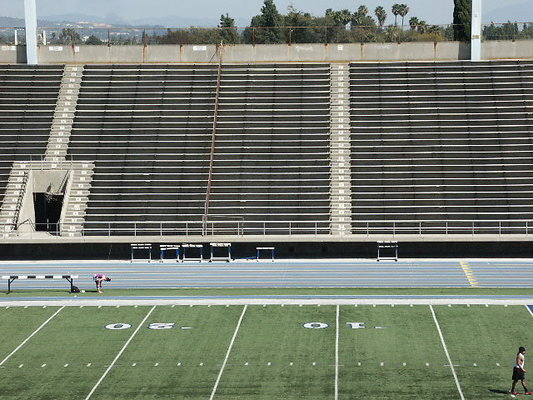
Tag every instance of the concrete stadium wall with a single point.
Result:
(415, 51)
(285, 250)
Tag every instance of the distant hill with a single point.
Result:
(522, 12)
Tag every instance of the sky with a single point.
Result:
(135, 11)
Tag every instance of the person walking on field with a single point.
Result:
(98, 279)
(519, 372)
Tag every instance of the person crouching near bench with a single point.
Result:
(98, 279)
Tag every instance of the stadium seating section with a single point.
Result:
(245, 148)
(28, 96)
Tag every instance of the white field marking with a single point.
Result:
(29, 337)
(337, 312)
(529, 309)
(228, 352)
(119, 354)
(447, 354)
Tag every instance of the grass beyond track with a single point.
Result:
(261, 352)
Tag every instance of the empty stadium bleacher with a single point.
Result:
(28, 96)
(271, 164)
(442, 147)
(150, 129)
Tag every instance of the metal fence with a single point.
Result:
(265, 228)
(415, 32)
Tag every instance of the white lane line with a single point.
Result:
(529, 309)
(119, 354)
(337, 353)
(447, 354)
(228, 353)
(29, 337)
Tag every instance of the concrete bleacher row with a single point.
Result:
(246, 149)
(149, 129)
(28, 97)
(441, 144)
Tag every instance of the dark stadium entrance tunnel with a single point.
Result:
(47, 211)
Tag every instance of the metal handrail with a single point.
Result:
(213, 143)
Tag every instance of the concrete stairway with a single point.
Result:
(341, 194)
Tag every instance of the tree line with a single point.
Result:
(335, 26)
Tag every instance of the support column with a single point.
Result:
(475, 41)
(30, 17)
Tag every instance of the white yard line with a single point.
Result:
(119, 354)
(337, 354)
(29, 337)
(228, 353)
(447, 354)
(525, 305)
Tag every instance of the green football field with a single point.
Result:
(261, 352)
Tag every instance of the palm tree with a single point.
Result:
(404, 10)
(381, 15)
(413, 23)
(396, 11)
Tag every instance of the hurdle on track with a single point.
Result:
(265, 249)
(142, 248)
(11, 278)
(227, 255)
(387, 250)
(186, 252)
(164, 248)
